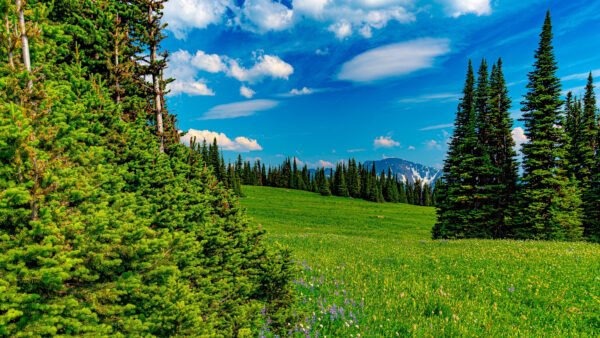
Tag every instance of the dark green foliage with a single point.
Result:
(550, 202)
(586, 170)
(100, 234)
(456, 188)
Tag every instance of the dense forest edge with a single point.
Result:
(108, 224)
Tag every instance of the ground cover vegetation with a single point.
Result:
(372, 270)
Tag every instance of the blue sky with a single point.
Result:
(324, 80)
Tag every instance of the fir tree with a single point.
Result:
(502, 155)
(550, 202)
(588, 152)
(457, 185)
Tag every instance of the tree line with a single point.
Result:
(557, 197)
(349, 179)
(108, 224)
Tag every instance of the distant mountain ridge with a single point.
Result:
(407, 171)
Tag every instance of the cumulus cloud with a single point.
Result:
(457, 8)
(394, 60)
(211, 63)
(266, 15)
(385, 142)
(341, 29)
(518, 135)
(265, 66)
(184, 15)
(238, 109)
(246, 92)
(411, 148)
(184, 68)
(186, 80)
(240, 143)
(343, 17)
(191, 88)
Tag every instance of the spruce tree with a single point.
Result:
(457, 184)
(588, 151)
(550, 202)
(504, 165)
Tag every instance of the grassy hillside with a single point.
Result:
(372, 270)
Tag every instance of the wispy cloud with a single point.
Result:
(240, 143)
(385, 142)
(581, 76)
(355, 150)
(439, 126)
(238, 109)
(431, 97)
(394, 60)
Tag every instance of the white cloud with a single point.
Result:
(191, 88)
(184, 15)
(246, 92)
(342, 17)
(211, 63)
(298, 162)
(324, 164)
(238, 109)
(355, 150)
(313, 8)
(184, 67)
(265, 66)
(385, 142)
(266, 15)
(433, 144)
(582, 76)
(341, 29)
(411, 148)
(431, 97)
(303, 91)
(439, 126)
(394, 60)
(518, 135)
(240, 143)
(457, 8)
(186, 81)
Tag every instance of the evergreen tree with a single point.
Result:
(587, 150)
(504, 166)
(550, 202)
(457, 185)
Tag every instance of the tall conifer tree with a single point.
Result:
(550, 206)
(454, 205)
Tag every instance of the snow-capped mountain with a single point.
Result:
(406, 170)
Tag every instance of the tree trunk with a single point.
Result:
(156, 87)
(10, 46)
(24, 41)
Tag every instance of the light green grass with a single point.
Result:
(397, 281)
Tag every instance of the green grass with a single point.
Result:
(378, 263)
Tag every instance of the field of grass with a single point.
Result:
(371, 269)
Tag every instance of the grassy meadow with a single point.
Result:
(369, 269)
